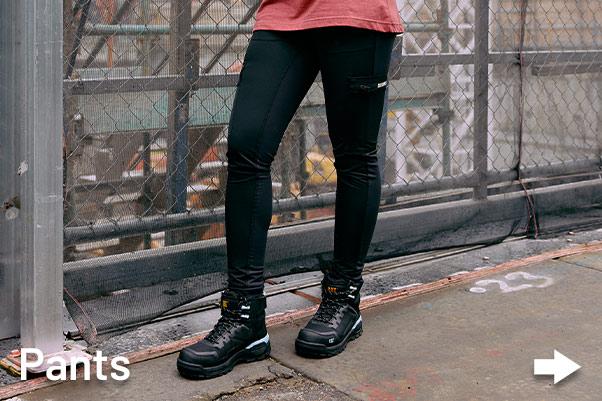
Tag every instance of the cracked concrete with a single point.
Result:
(295, 389)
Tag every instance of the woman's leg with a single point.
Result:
(278, 70)
(354, 65)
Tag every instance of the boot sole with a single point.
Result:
(194, 371)
(314, 350)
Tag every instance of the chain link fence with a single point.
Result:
(148, 89)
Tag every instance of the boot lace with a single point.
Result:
(224, 325)
(328, 309)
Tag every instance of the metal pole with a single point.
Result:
(179, 102)
(31, 67)
(444, 112)
(205, 29)
(481, 94)
(146, 19)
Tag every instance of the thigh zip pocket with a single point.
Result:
(370, 83)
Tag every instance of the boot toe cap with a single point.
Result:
(197, 355)
(316, 335)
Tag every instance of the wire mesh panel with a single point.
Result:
(551, 99)
(148, 90)
(432, 129)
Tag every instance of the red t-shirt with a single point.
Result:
(289, 15)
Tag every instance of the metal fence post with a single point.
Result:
(146, 201)
(31, 66)
(178, 108)
(481, 98)
(444, 112)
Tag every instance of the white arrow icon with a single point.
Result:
(559, 367)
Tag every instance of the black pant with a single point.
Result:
(278, 69)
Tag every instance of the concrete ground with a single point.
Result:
(472, 341)
(456, 344)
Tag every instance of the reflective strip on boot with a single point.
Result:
(265, 339)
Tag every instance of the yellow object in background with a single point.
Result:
(320, 169)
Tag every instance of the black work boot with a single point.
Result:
(239, 335)
(336, 322)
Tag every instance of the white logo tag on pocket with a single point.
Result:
(381, 84)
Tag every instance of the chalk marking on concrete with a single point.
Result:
(506, 288)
